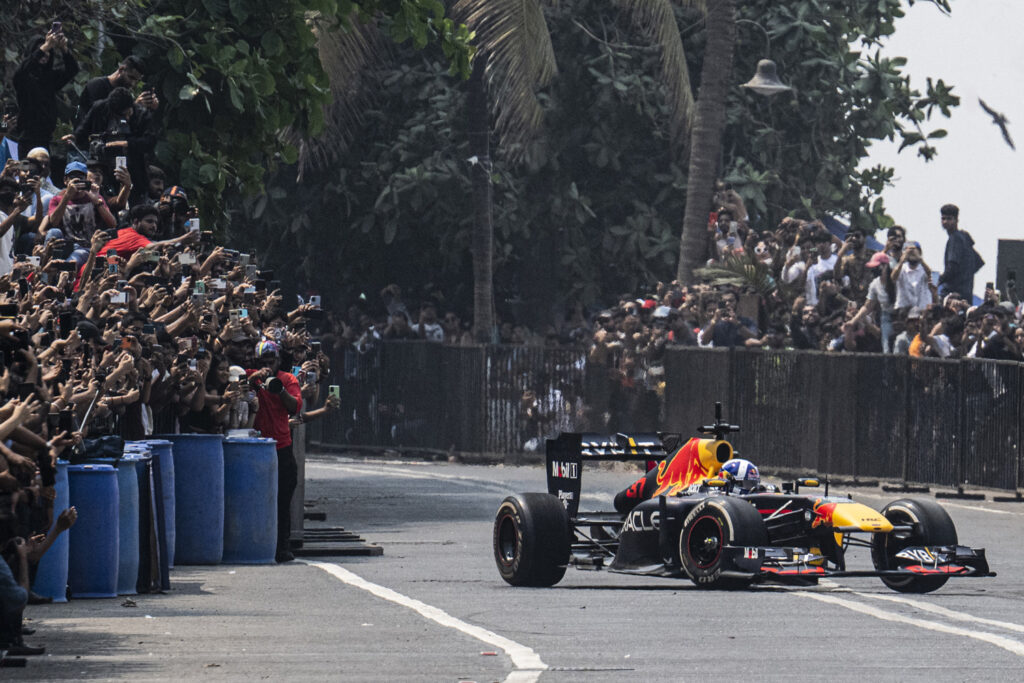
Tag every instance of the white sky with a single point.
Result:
(980, 51)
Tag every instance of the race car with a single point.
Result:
(688, 517)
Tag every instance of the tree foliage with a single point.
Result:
(232, 75)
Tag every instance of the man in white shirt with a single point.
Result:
(12, 205)
(826, 262)
(913, 279)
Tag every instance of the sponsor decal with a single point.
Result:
(642, 520)
(750, 553)
(922, 555)
(566, 497)
(565, 470)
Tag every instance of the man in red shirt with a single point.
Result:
(279, 398)
(145, 221)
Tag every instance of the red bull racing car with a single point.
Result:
(687, 518)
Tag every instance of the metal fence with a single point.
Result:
(918, 420)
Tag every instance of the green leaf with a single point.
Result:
(239, 10)
(272, 44)
(188, 92)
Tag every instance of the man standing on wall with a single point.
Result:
(279, 398)
(962, 261)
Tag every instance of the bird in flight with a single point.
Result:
(1000, 120)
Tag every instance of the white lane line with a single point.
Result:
(924, 607)
(943, 503)
(1007, 644)
(411, 474)
(528, 665)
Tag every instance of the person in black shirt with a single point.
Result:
(36, 82)
(128, 74)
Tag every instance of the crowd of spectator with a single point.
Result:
(119, 317)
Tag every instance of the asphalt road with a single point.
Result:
(433, 607)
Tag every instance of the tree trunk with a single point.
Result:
(706, 137)
(483, 199)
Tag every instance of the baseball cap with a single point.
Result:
(75, 167)
(175, 191)
(878, 259)
(266, 348)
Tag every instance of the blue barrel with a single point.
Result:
(198, 498)
(163, 454)
(250, 501)
(128, 520)
(93, 543)
(52, 572)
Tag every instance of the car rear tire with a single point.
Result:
(711, 525)
(933, 527)
(532, 539)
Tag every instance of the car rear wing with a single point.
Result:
(566, 454)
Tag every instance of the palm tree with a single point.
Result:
(706, 138)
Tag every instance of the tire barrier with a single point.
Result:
(198, 498)
(93, 543)
(164, 455)
(52, 573)
(250, 501)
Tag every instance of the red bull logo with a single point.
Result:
(697, 460)
(823, 513)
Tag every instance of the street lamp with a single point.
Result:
(766, 80)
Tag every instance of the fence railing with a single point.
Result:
(917, 420)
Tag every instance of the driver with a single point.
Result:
(743, 475)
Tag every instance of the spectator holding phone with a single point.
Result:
(46, 69)
(12, 204)
(79, 211)
(128, 73)
(279, 397)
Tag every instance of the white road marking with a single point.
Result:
(1007, 644)
(925, 607)
(528, 665)
(410, 474)
(942, 502)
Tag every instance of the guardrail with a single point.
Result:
(943, 422)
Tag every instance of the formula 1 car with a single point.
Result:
(684, 520)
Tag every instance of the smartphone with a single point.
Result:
(296, 369)
(185, 345)
(66, 266)
(26, 389)
(23, 286)
(267, 274)
(52, 422)
(126, 343)
(193, 224)
(200, 287)
(56, 27)
(218, 283)
(260, 285)
(990, 285)
(8, 310)
(334, 391)
(149, 328)
(315, 300)
(152, 256)
(243, 259)
(193, 365)
(119, 298)
(65, 323)
(186, 258)
(66, 421)
(33, 260)
(243, 313)
(314, 347)
(121, 162)
(234, 316)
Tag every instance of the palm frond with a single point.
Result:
(347, 51)
(740, 269)
(513, 36)
(658, 22)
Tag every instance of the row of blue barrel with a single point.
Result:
(216, 499)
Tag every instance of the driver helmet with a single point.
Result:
(743, 472)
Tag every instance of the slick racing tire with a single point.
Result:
(532, 539)
(932, 527)
(712, 525)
